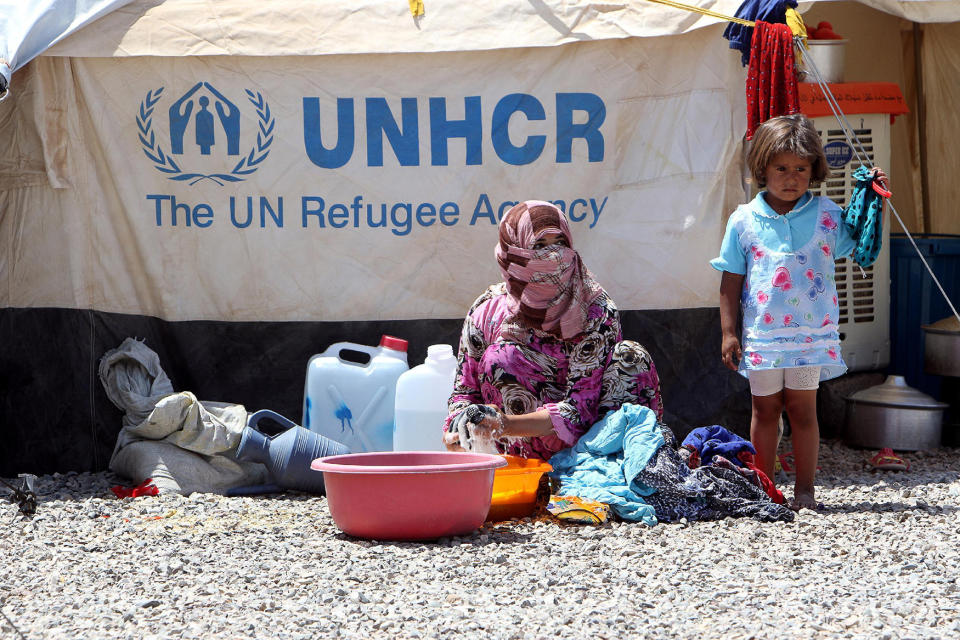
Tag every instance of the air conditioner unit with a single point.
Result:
(863, 294)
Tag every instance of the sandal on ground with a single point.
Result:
(887, 460)
(787, 463)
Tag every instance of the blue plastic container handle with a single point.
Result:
(273, 415)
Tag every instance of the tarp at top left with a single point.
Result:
(27, 29)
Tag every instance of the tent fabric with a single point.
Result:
(107, 28)
(669, 171)
(254, 28)
(915, 10)
(277, 28)
(27, 29)
(653, 163)
(941, 87)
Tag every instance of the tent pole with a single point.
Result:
(921, 130)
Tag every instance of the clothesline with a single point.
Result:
(850, 133)
(706, 12)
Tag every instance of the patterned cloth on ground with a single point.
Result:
(705, 493)
(629, 460)
(719, 446)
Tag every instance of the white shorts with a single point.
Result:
(766, 382)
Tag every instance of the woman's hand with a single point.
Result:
(451, 440)
(730, 351)
(477, 424)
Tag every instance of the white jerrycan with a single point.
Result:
(421, 407)
(353, 403)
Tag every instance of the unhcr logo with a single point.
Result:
(204, 135)
(577, 118)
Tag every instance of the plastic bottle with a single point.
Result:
(421, 406)
(353, 403)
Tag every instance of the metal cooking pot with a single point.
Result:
(941, 355)
(895, 415)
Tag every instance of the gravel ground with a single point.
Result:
(881, 561)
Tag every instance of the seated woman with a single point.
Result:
(541, 357)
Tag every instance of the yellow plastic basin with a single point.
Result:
(515, 488)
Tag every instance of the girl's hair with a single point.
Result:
(787, 134)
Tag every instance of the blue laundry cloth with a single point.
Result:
(716, 440)
(606, 460)
(863, 218)
(741, 36)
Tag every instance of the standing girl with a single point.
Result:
(777, 259)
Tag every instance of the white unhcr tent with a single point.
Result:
(243, 183)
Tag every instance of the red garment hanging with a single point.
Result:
(771, 76)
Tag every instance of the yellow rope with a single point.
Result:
(706, 12)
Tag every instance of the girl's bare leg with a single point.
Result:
(763, 429)
(802, 410)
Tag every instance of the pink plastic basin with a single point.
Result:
(408, 495)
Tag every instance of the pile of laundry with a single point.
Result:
(631, 462)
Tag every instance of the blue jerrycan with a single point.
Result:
(286, 455)
(353, 402)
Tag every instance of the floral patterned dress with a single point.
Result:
(575, 380)
(789, 300)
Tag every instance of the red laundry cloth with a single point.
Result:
(765, 483)
(694, 460)
(771, 75)
(145, 488)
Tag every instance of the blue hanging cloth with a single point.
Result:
(863, 216)
(741, 36)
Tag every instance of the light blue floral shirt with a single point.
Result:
(789, 297)
(779, 232)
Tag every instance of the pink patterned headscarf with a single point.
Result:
(550, 288)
